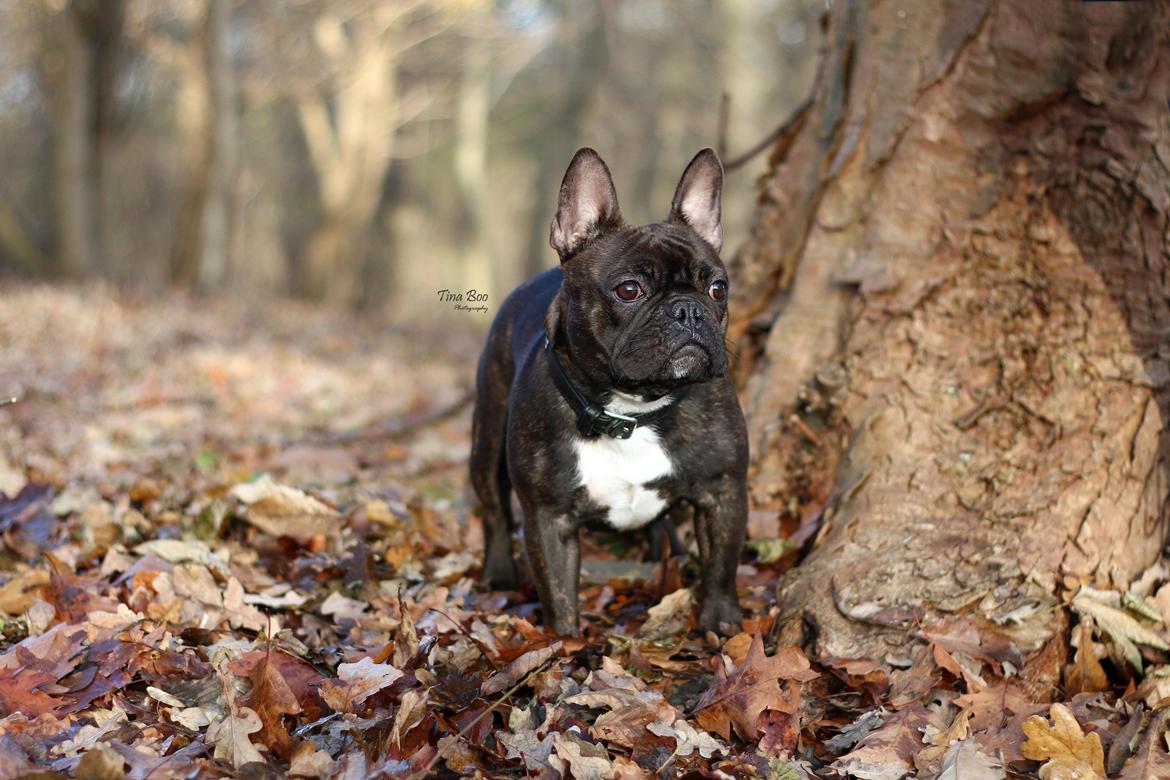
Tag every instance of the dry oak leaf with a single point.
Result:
(579, 759)
(929, 759)
(738, 699)
(632, 705)
(1067, 752)
(230, 736)
(282, 510)
(308, 761)
(519, 669)
(100, 763)
(669, 617)
(522, 743)
(688, 739)
(1152, 760)
(1114, 614)
(887, 752)
(357, 682)
(272, 698)
(1086, 673)
(412, 708)
(304, 680)
(230, 733)
(966, 761)
(630, 713)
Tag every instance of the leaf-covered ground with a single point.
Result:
(237, 543)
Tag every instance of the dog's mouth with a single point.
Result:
(688, 360)
(663, 367)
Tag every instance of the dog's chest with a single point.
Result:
(614, 473)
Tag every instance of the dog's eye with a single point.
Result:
(718, 290)
(629, 290)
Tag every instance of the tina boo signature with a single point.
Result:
(465, 301)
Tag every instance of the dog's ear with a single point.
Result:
(698, 198)
(587, 205)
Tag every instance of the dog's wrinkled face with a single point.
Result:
(644, 309)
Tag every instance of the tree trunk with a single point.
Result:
(590, 59)
(207, 117)
(350, 135)
(472, 114)
(69, 65)
(955, 308)
(103, 25)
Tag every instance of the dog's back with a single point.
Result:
(517, 330)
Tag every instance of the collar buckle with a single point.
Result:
(592, 418)
(620, 426)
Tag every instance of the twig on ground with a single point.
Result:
(399, 427)
(426, 770)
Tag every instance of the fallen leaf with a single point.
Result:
(17, 594)
(412, 707)
(688, 739)
(519, 669)
(229, 735)
(357, 682)
(736, 700)
(1105, 607)
(180, 551)
(282, 510)
(965, 760)
(406, 637)
(1152, 760)
(1066, 751)
(1085, 673)
(779, 732)
(929, 759)
(584, 760)
(100, 763)
(302, 678)
(887, 752)
(523, 744)
(342, 608)
(629, 713)
(271, 698)
(669, 617)
(163, 697)
(855, 731)
(308, 761)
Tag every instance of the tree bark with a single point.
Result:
(351, 148)
(207, 118)
(590, 58)
(80, 67)
(472, 115)
(954, 316)
(69, 66)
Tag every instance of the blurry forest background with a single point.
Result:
(364, 154)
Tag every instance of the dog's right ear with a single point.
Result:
(587, 205)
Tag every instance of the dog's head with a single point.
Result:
(644, 309)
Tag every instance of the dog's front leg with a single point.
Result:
(720, 526)
(554, 555)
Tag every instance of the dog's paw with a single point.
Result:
(721, 615)
(499, 573)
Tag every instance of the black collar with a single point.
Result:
(592, 418)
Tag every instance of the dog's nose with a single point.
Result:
(687, 311)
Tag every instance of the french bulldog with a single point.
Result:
(602, 393)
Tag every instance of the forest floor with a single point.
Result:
(237, 542)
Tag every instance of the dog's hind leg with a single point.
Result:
(489, 472)
(664, 531)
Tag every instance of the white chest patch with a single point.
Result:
(615, 471)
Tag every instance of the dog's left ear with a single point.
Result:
(698, 199)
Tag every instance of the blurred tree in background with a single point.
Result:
(361, 153)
